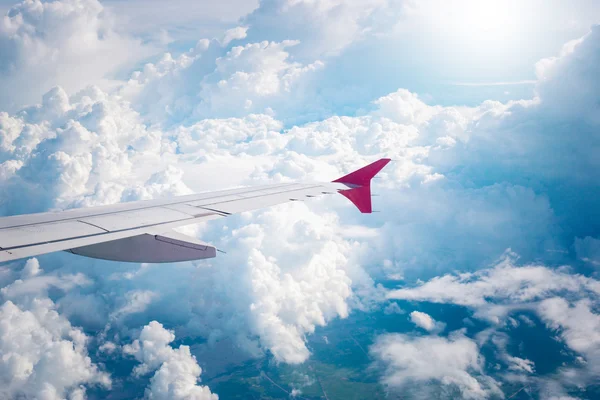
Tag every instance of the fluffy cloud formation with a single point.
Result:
(506, 283)
(578, 325)
(93, 151)
(467, 184)
(236, 33)
(36, 341)
(82, 149)
(95, 143)
(424, 320)
(263, 295)
(177, 372)
(566, 302)
(410, 363)
(62, 42)
(531, 136)
(324, 27)
(210, 82)
(580, 87)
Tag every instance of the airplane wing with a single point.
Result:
(141, 231)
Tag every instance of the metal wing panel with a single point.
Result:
(74, 214)
(33, 234)
(35, 249)
(30, 235)
(41, 233)
(261, 200)
(136, 218)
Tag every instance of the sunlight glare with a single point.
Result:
(488, 19)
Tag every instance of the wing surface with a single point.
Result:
(34, 234)
(140, 231)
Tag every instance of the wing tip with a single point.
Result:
(363, 176)
(359, 182)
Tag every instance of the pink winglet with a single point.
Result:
(360, 183)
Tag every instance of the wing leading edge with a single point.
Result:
(141, 231)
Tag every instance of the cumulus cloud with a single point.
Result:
(207, 83)
(69, 43)
(44, 356)
(323, 27)
(104, 152)
(424, 321)
(176, 373)
(232, 34)
(81, 148)
(34, 283)
(410, 363)
(135, 301)
(279, 297)
(505, 283)
(578, 325)
(531, 135)
(103, 142)
(455, 198)
(580, 86)
(564, 301)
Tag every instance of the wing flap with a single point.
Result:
(167, 247)
(35, 249)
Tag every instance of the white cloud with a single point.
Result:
(410, 363)
(177, 372)
(135, 301)
(67, 43)
(424, 320)
(405, 107)
(31, 268)
(97, 151)
(83, 148)
(182, 19)
(289, 270)
(210, 81)
(581, 87)
(279, 297)
(43, 356)
(34, 282)
(506, 283)
(578, 325)
(520, 364)
(324, 27)
(253, 78)
(232, 34)
(564, 301)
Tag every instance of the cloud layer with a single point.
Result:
(67, 43)
(467, 183)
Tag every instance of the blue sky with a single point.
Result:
(487, 237)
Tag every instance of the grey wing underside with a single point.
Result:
(140, 231)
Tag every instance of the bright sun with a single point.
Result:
(489, 19)
(475, 20)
